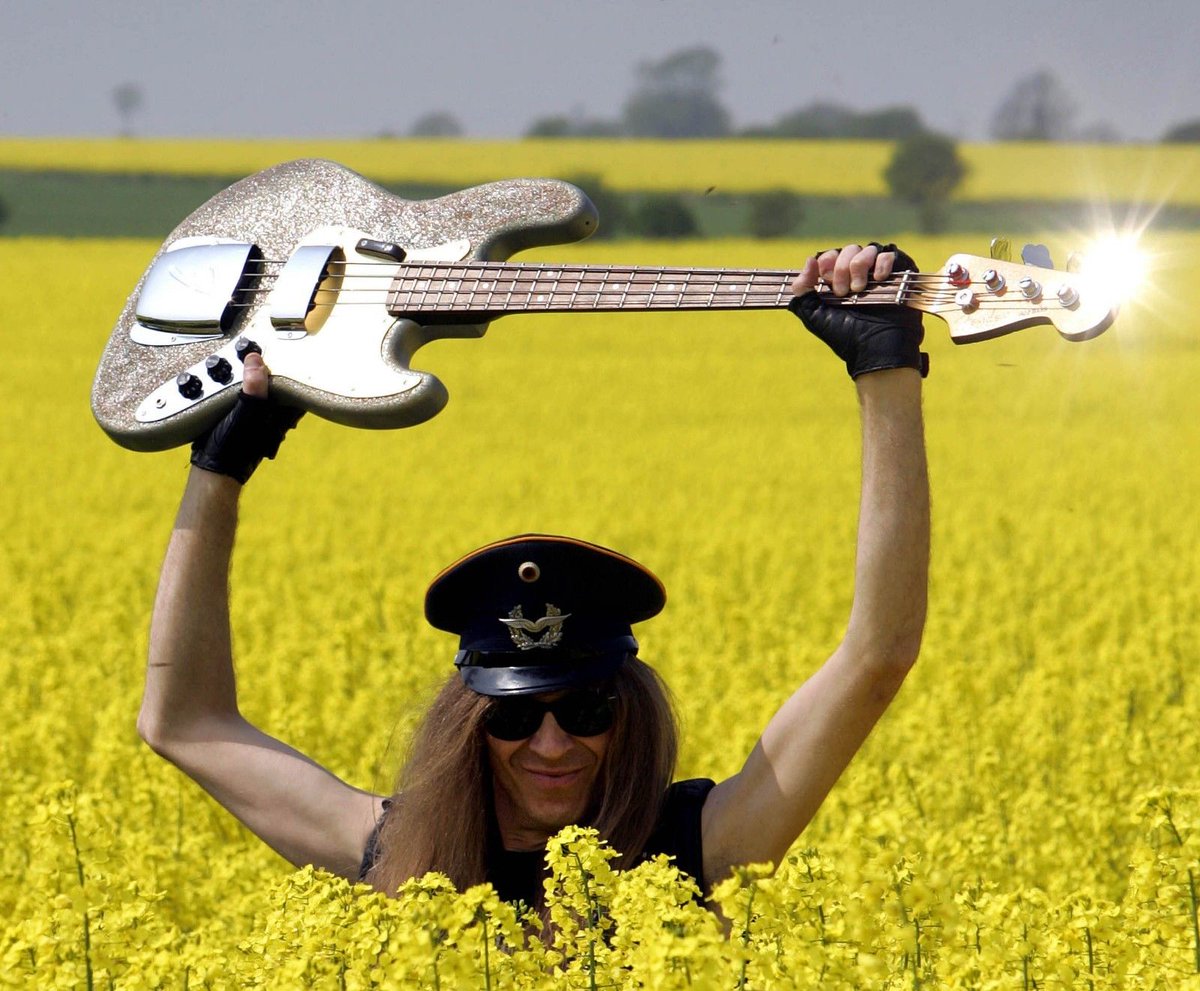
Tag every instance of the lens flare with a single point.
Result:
(1119, 263)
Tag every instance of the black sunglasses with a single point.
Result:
(581, 713)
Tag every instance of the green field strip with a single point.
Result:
(98, 204)
(1008, 171)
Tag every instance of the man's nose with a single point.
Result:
(550, 740)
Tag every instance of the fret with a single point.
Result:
(490, 289)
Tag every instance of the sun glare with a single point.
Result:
(1119, 263)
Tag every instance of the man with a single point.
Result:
(548, 714)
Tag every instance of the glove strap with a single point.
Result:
(252, 430)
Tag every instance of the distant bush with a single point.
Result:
(1184, 133)
(776, 213)
(923, 172)
(663, 215)
(437, 124)
(562, 126)
(832, 120)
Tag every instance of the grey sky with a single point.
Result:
(355, 68)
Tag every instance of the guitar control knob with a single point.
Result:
(190, 386)
(1030, 288)
(993, 280)
(245, 346)
(219, 370)
(1067, 295)
(958, 275)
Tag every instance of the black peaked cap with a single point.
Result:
(540, 613)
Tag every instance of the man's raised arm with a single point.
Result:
(189, 712)
(757, 814)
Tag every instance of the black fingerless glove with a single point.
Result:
(868, 338)
(252, 430)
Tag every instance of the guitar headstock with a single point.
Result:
(982, 298)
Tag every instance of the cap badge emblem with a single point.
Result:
(549, 626)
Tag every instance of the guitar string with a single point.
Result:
(699, 302)
(514, 280)
(608, 281)
(597, 283)
(453, 269)
(465, 287)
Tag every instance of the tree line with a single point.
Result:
(677, 97)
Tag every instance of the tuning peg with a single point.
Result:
(1075, 262)
(1000, 250)
(1036, 254)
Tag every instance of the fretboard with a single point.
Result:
(490, 289)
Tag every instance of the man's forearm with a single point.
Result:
(892, 560)
(190, 666)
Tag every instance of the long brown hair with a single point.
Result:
(439, 816)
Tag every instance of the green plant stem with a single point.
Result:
(593, 921)
(487, 960)
(87, 934)
(1091, 956)
(917, 955)
(1025, 961)
(746, 937)
(1195, 919)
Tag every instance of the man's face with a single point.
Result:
(543, 782)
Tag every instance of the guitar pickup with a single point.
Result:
(198, 288)
(305, 290)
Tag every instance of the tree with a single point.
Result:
(676, 97)
(924, 171)
(127, 98)
(817, 120)
(1038, 108)
(832, 120)
(1188, 130)
(889, 124)
(555, 126)
(663, 215)
(776, 213)
(575, 126)
(436, 124)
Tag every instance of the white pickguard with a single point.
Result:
(343, 354)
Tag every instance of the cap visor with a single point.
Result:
(536, 679)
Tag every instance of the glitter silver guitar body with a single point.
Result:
(234, 271)
(338, 282)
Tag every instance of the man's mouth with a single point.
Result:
(554, 778)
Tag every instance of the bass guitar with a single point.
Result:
(337, 282)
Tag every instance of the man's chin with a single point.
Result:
(551, 816)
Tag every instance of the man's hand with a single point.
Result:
(867, 338)
(249, 432)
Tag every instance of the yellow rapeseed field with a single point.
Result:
(1027, 814)
(1145, 174)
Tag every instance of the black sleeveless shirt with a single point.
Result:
(516, 874)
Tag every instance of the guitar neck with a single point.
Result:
(486, 290)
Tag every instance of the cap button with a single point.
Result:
(529, 572)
